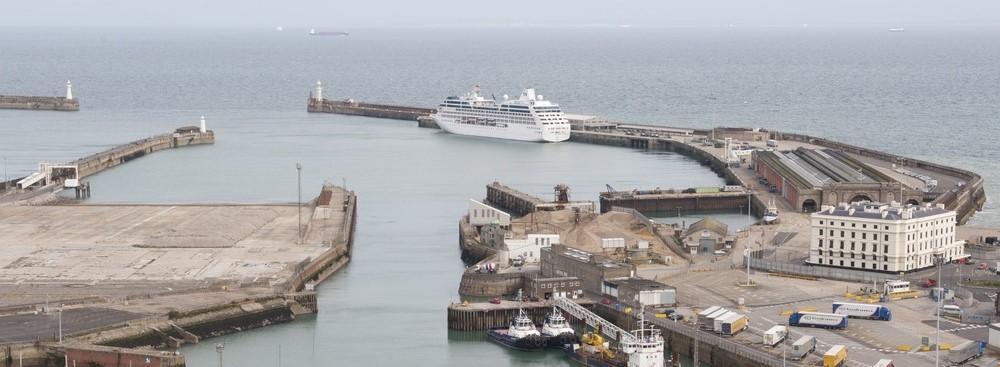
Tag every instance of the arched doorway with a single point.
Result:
(808, 206)
(860, 197)
(913, 202)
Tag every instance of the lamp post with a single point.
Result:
(749, 235)
(218, 349)
(298, 169)
(60, 324)
(937, 332)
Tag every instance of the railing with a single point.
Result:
(593, 320)
(818, 271)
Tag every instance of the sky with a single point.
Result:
(504, 13)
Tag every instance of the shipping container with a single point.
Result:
(818, 319)
(966, 351)
(835, 357)
(802, 347)
(775, 335)
(704, 314)
(717, 320)
(734, 324)
(884, 363)
(864, 311)
(710, 319)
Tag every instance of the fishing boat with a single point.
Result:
(771, 213)
(521, 334)
(556, 330)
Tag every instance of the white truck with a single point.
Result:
(775, 335)
(802, 347)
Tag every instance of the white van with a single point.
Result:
(951, 310)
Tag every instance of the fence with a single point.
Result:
(741, 351)
(820, 271)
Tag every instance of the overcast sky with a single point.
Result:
(420, 13)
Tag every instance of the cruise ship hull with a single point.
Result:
(502, 131)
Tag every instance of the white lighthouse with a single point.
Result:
(318, 93)
(69, 90)
(203, 129)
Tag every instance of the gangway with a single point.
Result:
(31, 179)
(590, 318)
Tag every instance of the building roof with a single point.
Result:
(874, 210)
(639, 283)
(583, 256)
(707, 224)
(814, 168)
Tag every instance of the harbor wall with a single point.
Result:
(472, 250)
(490, 284)
(97, 162)
(39, 103)
(675, 203)
(368, 109)
(339, 254)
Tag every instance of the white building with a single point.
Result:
(481, 214)
(529, 249)
(883, 237)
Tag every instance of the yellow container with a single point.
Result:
(835, 356)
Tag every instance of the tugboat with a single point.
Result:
(557, 331)
(771, 213)
(645, 349)
(522, 334)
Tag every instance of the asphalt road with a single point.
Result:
(45, 327)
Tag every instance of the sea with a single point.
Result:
(931, 92)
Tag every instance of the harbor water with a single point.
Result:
(930, 93)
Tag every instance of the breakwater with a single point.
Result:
(39, 103)
(368, 109)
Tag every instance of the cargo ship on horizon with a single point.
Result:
(313, 32)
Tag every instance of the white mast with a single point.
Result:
(69, 90)
(203, 129)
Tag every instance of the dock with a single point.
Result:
(53, 177)
(476, 316)
(966, 195)
(674, 201)
(38, 103)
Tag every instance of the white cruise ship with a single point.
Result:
(527, 118)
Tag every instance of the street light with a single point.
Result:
(298, 169)
(940, 297)
(218, 349)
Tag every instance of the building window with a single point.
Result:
(885, 267)
(841, 262)
(852, 234)
(821, 231)
(887, 236)
(863, 236)
(852, 264)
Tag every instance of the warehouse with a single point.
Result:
(637, 292)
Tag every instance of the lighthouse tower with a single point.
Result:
(203, 129)
(69, 90)
(318, 93)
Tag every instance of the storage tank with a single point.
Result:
(818, 319)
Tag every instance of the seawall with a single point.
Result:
(39, 103)
(367, 109)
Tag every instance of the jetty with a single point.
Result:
(67, 103)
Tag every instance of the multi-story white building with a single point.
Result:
(883, 237)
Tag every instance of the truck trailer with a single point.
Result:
(776, 334)
(734, 324)
(967, 351)
(835, 357)
(862, 311)
(802, 347)
(717, 320)
(818, 319)
(884, 363)
(703, 315)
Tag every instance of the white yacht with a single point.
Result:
(527, 118)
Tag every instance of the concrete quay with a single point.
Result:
(672, 201)
(162, 275)
(51, 178)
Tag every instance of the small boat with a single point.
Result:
(771, 213)
(313, 32)
(522, 334)
(556, 330)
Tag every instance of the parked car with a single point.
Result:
(928, 283)
(495, 300)
(983, 266)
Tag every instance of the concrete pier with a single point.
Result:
(673, 201)
(484, 316)
(67, 103)
(38, 103)
(513, 201)
(353, 108)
